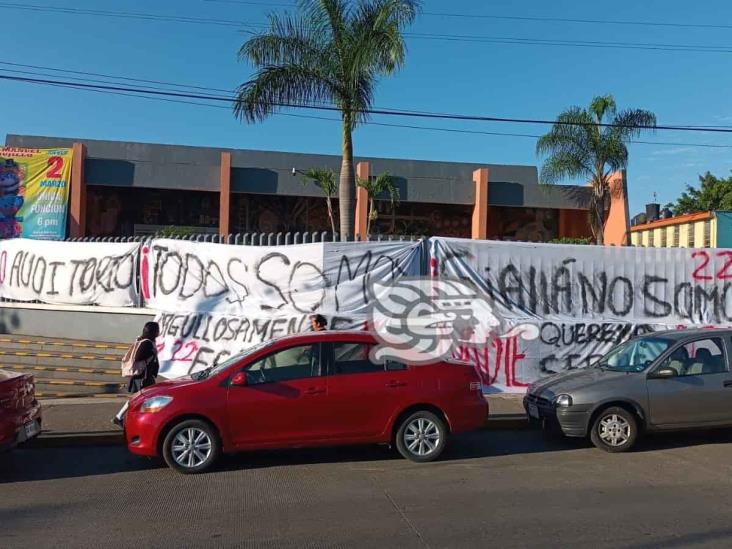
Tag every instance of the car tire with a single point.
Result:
(421, 436)
(191, 446)
(614, 430)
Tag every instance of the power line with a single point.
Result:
(113, 77)
(385, 112)
(517, 17)
(373, 123)
(475, 39)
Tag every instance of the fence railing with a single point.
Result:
(252, 239)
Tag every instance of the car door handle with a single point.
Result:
(394, 383)
(727, 383)
(314, 391)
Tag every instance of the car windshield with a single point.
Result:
(213, 370)
(634, 355)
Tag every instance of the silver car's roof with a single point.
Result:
(682, 333)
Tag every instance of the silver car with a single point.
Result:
(657, 382)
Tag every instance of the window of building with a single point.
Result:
(651, 238)
(675, 236)
(707, 233)
(692, 235)
(662, 239)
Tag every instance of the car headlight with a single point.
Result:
(155, 404)
(563, 401)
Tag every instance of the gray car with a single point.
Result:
(661, 381)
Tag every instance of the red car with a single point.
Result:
(316, 389)
(20, 412)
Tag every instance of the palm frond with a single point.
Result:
(323, 178)
(632, 122)
(277, 86)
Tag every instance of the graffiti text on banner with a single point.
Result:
(194, 341)
(187, 276)
(584, 299)
(69, 273)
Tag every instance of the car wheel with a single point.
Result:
(421, 436)
(614, 430)
(191, 446)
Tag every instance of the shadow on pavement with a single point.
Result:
(719, 537)
(33, 464)
(477, 445)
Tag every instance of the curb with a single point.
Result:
(506, 422)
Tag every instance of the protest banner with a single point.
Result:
(583, 299)
(214, 300)
(69, 273)
(34, 192)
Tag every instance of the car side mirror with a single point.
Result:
(239, 380)
(665, 372)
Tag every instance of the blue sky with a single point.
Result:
(447, 76)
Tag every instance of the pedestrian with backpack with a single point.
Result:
(140, 365)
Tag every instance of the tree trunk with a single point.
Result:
(372, 210)
(347, 182)
(597, 208)
(330, 214)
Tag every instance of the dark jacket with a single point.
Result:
(147, 352)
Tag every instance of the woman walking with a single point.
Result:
(144, 364)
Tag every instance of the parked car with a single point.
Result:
(312, 389)
(661, 381)
(20, 412)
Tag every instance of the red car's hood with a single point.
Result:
(162, 387)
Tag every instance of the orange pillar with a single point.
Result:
(77, 200)
(225, 194)
(362, 203)
(563, 224)
(480, 210)
(617, 225)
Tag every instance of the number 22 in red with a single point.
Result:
(55, 165)
(700, 271)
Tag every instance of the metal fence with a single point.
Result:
(253, 239)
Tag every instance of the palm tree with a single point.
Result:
(331, 52)
(326, 180)
(383, 183)
(591, 144)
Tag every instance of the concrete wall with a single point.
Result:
(72, 322)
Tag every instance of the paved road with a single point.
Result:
(500, 489)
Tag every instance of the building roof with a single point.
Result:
(147, 165)
(676, 220)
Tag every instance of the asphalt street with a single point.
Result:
(493, 488)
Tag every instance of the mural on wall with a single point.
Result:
(424, 219)
(526, 224)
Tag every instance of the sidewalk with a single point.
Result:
(86, 421)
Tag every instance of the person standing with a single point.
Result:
(318, 323)
(145, 352)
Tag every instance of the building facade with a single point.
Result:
(123, 188)
(694, 230)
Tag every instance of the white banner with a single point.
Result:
(217, 299)
(69, 273)
(584, 299)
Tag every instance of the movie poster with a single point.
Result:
(34, 192)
